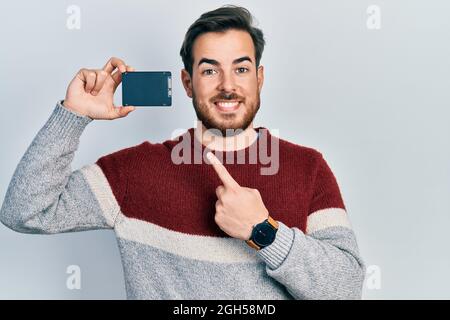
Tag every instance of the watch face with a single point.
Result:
(264, 234)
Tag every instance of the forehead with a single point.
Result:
(223, 47)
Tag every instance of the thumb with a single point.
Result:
(120, 112)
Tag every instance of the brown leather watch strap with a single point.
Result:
(273, 222)
(252, 244)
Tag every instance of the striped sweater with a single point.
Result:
(162, 214)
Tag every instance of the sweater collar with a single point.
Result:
(195, 143)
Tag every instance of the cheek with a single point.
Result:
(249, 87)
(204, 85)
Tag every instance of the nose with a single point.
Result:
(227, 83)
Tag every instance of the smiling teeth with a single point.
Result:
(227, 104)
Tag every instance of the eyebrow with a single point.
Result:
(217, 63)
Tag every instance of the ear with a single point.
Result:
(187, 82)
(260, 76)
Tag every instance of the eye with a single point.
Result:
(243, 68)
(207, 71)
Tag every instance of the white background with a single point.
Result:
(374, 102)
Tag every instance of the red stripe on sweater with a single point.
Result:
(150, 187)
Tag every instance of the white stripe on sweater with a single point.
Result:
(205, 248)
(103, 192)
(326, 218)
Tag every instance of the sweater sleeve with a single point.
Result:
(324, 261)
(45, 196)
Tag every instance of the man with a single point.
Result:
(208, 230)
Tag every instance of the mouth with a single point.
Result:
(227, 106)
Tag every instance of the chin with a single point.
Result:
(235, 126)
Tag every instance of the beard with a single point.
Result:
(212, 120)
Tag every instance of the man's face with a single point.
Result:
(225, 85)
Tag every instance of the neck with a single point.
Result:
(215, 142)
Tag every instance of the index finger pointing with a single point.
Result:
(115, 63)
(222, 172)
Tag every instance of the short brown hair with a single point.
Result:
(220, 20)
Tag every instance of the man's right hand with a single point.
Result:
(91, 91)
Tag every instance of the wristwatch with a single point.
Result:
(263, 234)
